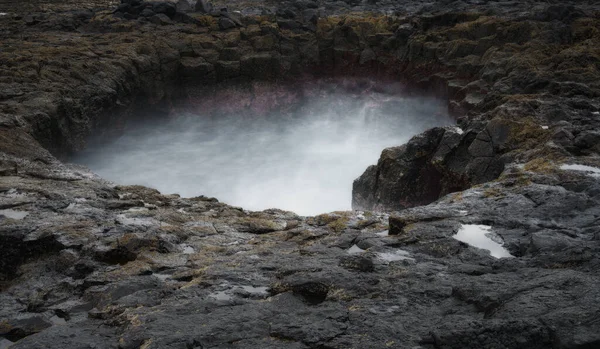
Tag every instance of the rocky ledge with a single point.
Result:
(87, 264)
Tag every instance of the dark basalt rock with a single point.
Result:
(226, 23)
(23, 327)
(17, 248)
(430, 165)
(563, 13)
(160, 19)
(87, 264)
(204, 6)
(312, 292)
(165, 8)
(358, 263)
(184, 6)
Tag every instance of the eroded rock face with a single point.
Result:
(85, 263)
(497, 125)
(432, 164)
(416, 173)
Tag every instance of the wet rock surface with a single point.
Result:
(85, 263)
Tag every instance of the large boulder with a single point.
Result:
(184, 6)
(429, 165)
(445, 160)
(226, 23)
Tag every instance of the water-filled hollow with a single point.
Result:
(295, 147)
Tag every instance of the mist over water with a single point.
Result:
(304, 161)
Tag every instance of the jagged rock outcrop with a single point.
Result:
(415, 174)
(438, 162)
(505, 111)
(85, 263)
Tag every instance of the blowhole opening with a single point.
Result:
(293, 146)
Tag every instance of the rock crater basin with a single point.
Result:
(301, 157)
(90, 261)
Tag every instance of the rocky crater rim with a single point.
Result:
(83, 260)
(256, 64)
(151, 65)
(277, 99)
(292, 145)
(272, 98)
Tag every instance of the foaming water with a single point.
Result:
(303, 161)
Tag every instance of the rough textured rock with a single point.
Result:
(84, 263)
(204, 6)
(412, 174)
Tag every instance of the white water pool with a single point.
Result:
(304, 161)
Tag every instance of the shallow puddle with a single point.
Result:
(188, 249)
(255, 290)
(398, 255)
(12, 214)
(221, 296)
(355, 249)
(481, 236)
(58, 320)
(162, 277)
(589, 170)
(383, 233)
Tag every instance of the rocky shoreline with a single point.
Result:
(86, 264)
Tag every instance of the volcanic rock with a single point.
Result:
(85, 263)
(204, 6)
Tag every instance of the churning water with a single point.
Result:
(303, 161)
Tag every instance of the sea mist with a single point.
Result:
(303, 160)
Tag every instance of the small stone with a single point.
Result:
(147, 13)
(31, 20)
(226, 23)
(165, 8)
(358, 263)
(311, 16)
(160, 19)
(204, 6)
(404, 32)
(367, 55)
(287, 14)
(184, 6)
(288, 24)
